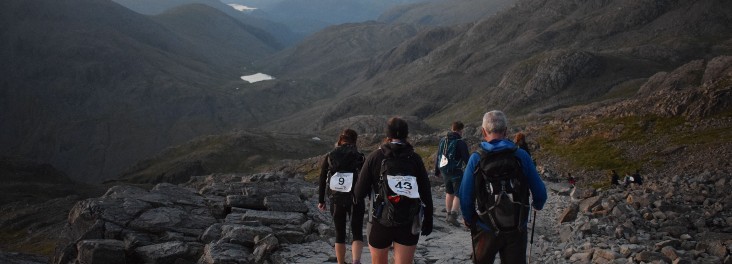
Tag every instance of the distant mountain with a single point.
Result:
(534, 57)
(279, 31)
(90, 87)
(221, 38)
(444, 12)
(307, 17)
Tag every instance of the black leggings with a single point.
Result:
(340, 213)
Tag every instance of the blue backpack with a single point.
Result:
(450, 154)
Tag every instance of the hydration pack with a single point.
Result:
(344, 162)
(397, 200)
(501, 190)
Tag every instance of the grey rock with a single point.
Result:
(272, 217)
(629, 249)
(587, 204)
(670, 253)
(285, 203)
(101, 251)
(582, 257)
(569, 214)
(243, 235)
(313, 252)
(21, 258)
(649, 256)
(212, 233)
(227, 253)
(674, 231)
(169, 252)
(173, 219)
(245, 201)
(264, 247)
(606, 254)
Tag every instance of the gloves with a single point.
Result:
(427, 226)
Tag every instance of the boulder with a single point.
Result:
(569, 214)
(222, 252)
(101, 251)
(285, 203)
(168, 252)
(587, 204)
(273, 217)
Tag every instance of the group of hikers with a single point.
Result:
(493, 187)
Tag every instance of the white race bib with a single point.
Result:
(341, 181)
(403, 185)
(443, 161)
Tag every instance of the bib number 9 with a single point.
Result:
(341, 181)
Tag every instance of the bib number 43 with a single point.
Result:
(403, 185)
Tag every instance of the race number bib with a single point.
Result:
(403, 185)
(443, 161)
(341, 181)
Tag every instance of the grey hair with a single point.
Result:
(495, 121)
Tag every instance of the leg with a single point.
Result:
(340, 249)
(404, 254)
(449, 202)
(356, 249)
(358, 211)
(379, 256)
(485, 246)
(339, 219)
(514, 250)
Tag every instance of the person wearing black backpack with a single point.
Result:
(452, 155)
(401, 206)
(494, 194)
(338, 174)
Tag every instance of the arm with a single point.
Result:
(425, 194)
(322, 180)
(536, 185)
(467, 192)
(437, 159)
(462, 149)
(365, 178)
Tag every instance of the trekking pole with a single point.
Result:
(531, 242)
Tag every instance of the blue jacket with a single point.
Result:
(467, 190)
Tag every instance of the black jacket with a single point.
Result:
(368, 178)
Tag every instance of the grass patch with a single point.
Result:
(17, 241)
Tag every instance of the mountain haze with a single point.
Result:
(282, 33)
(92, 86)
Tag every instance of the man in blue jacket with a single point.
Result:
(488, 242)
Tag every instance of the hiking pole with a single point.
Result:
(531, 242)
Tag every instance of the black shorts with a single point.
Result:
(452, 182)
(382, 237)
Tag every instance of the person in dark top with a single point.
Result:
(452, 174)
(637, 177)
(614, 178)
(341, 197)
(402, 238)
(571, 179)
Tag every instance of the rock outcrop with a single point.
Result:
(210, 219)
(669, 219)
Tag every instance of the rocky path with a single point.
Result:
(272, 218)
(451, 244)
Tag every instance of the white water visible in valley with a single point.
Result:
(257, 77)
(242, 7)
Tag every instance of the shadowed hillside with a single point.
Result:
(534, 57)
(90, 87)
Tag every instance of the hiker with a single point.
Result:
(520, 140)
(571, 179)
(452, 155)
(637, 178)
(629, 179)
(614, 178)
(339, 172)
(397, 177)
(498, 224)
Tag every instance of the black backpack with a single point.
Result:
(343, 159)
(393, 209)
(501, 190)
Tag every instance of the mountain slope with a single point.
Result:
(281, 32)
(536, 56)
(444, 13)
(221, 38)
(91, 87)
